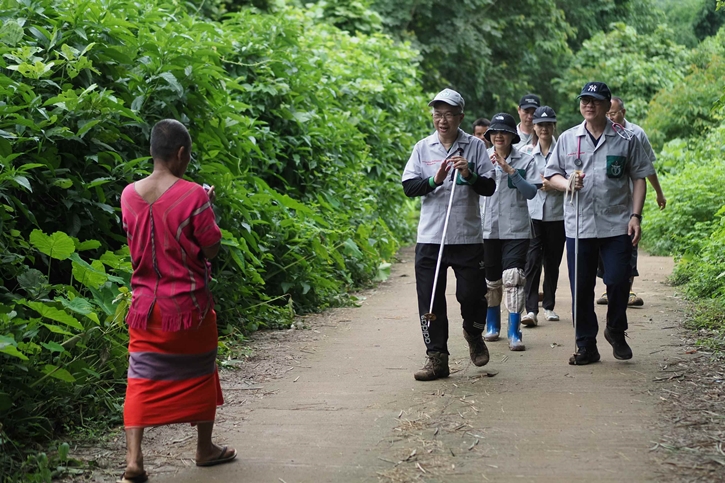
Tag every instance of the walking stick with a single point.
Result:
(430, 316)
(575, 303)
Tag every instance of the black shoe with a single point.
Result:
(584, 356)
(622, 351)
(477, 349)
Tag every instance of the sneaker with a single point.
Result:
(584, 356)
(551, 316)
(622, 351)
(477, 349)
(603, 300)
(529, 320)
(634, 300)
(436, 367)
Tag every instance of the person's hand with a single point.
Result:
(461, 164)
(211, 192)
(661, 200)
(546, 184)
(442, 172)
(576, 180)
(634, 230)
(501, 161)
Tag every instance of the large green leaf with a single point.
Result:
(58, 245)
(58, 373)
(55, 314)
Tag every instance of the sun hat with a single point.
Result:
(529, 100)
(544, 114)
(450, 97)
(505, 123)
(597, 90)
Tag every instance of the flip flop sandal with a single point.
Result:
(142, 478)
(221, 459)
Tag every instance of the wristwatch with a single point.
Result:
(635, 215)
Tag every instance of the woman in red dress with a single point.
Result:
(172, 235)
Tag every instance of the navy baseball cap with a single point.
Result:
(597, 90)
(544, 114)
(529, 100)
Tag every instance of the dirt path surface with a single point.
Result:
(337, 402)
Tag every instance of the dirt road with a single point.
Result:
(337, 402)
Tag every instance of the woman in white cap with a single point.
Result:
(507, 228)
(547, 220)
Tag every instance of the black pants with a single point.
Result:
(502, 255)
(547, 249)
(467, 264)
(616, 253)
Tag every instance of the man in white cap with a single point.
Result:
(449, 156)
(607, 168)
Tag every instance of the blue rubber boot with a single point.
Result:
(515, 342)
(493, 324)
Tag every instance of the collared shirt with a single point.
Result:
(464, 225)
(547, 205)
(642, 136)
(525, 138)
(506, 213)
(605, 201)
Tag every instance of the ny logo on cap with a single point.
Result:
(592, 88)
(499, 118)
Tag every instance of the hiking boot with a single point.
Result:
(550, 315)
(603, 300)
(477, 348)
(529, 320)
(584, 356)
(622, 351)
(435, 367)
(634, 300)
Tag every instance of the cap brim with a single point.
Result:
(493, 128)
(595, 96)
(544, 119)
(431, 103)
(527, 106)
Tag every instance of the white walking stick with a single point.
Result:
(575, 196)
(430, 316)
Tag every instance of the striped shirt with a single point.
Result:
(165, 240)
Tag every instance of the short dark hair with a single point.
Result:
(167, 136)
(481, 121)
(619, 100)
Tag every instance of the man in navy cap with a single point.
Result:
(429, 174)
(607, 168)
(527, 105)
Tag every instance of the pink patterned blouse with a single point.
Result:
(165, 240)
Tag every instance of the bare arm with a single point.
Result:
(655, 182)
(638, 195)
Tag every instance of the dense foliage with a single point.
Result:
(302, 128)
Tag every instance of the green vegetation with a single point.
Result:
(302, 116)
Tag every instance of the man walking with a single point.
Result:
(527, 105)
(449, 156)
(606, 168)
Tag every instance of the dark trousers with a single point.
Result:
(616, 254)
(547, 249)
(467, 264)
(500, 255)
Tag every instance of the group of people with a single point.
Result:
(509, 217)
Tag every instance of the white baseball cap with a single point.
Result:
(449, 96)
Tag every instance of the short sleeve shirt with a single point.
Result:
(525, 138)
(642, 136)
(605, 201)
(546, 205)
(506, 213)
(464, 225)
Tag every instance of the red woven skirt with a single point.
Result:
(172, 376)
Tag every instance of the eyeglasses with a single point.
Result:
(448, 116)
(585, 101)
(613, 113)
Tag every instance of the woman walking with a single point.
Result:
(547, 219)
(172, 235)
(507, 228)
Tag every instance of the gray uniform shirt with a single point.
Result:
(642, 136)
(547, 205)
(464, 225)
(525, 138)
(506, 213)
(605, 201)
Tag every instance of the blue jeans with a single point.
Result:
(616, 254)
